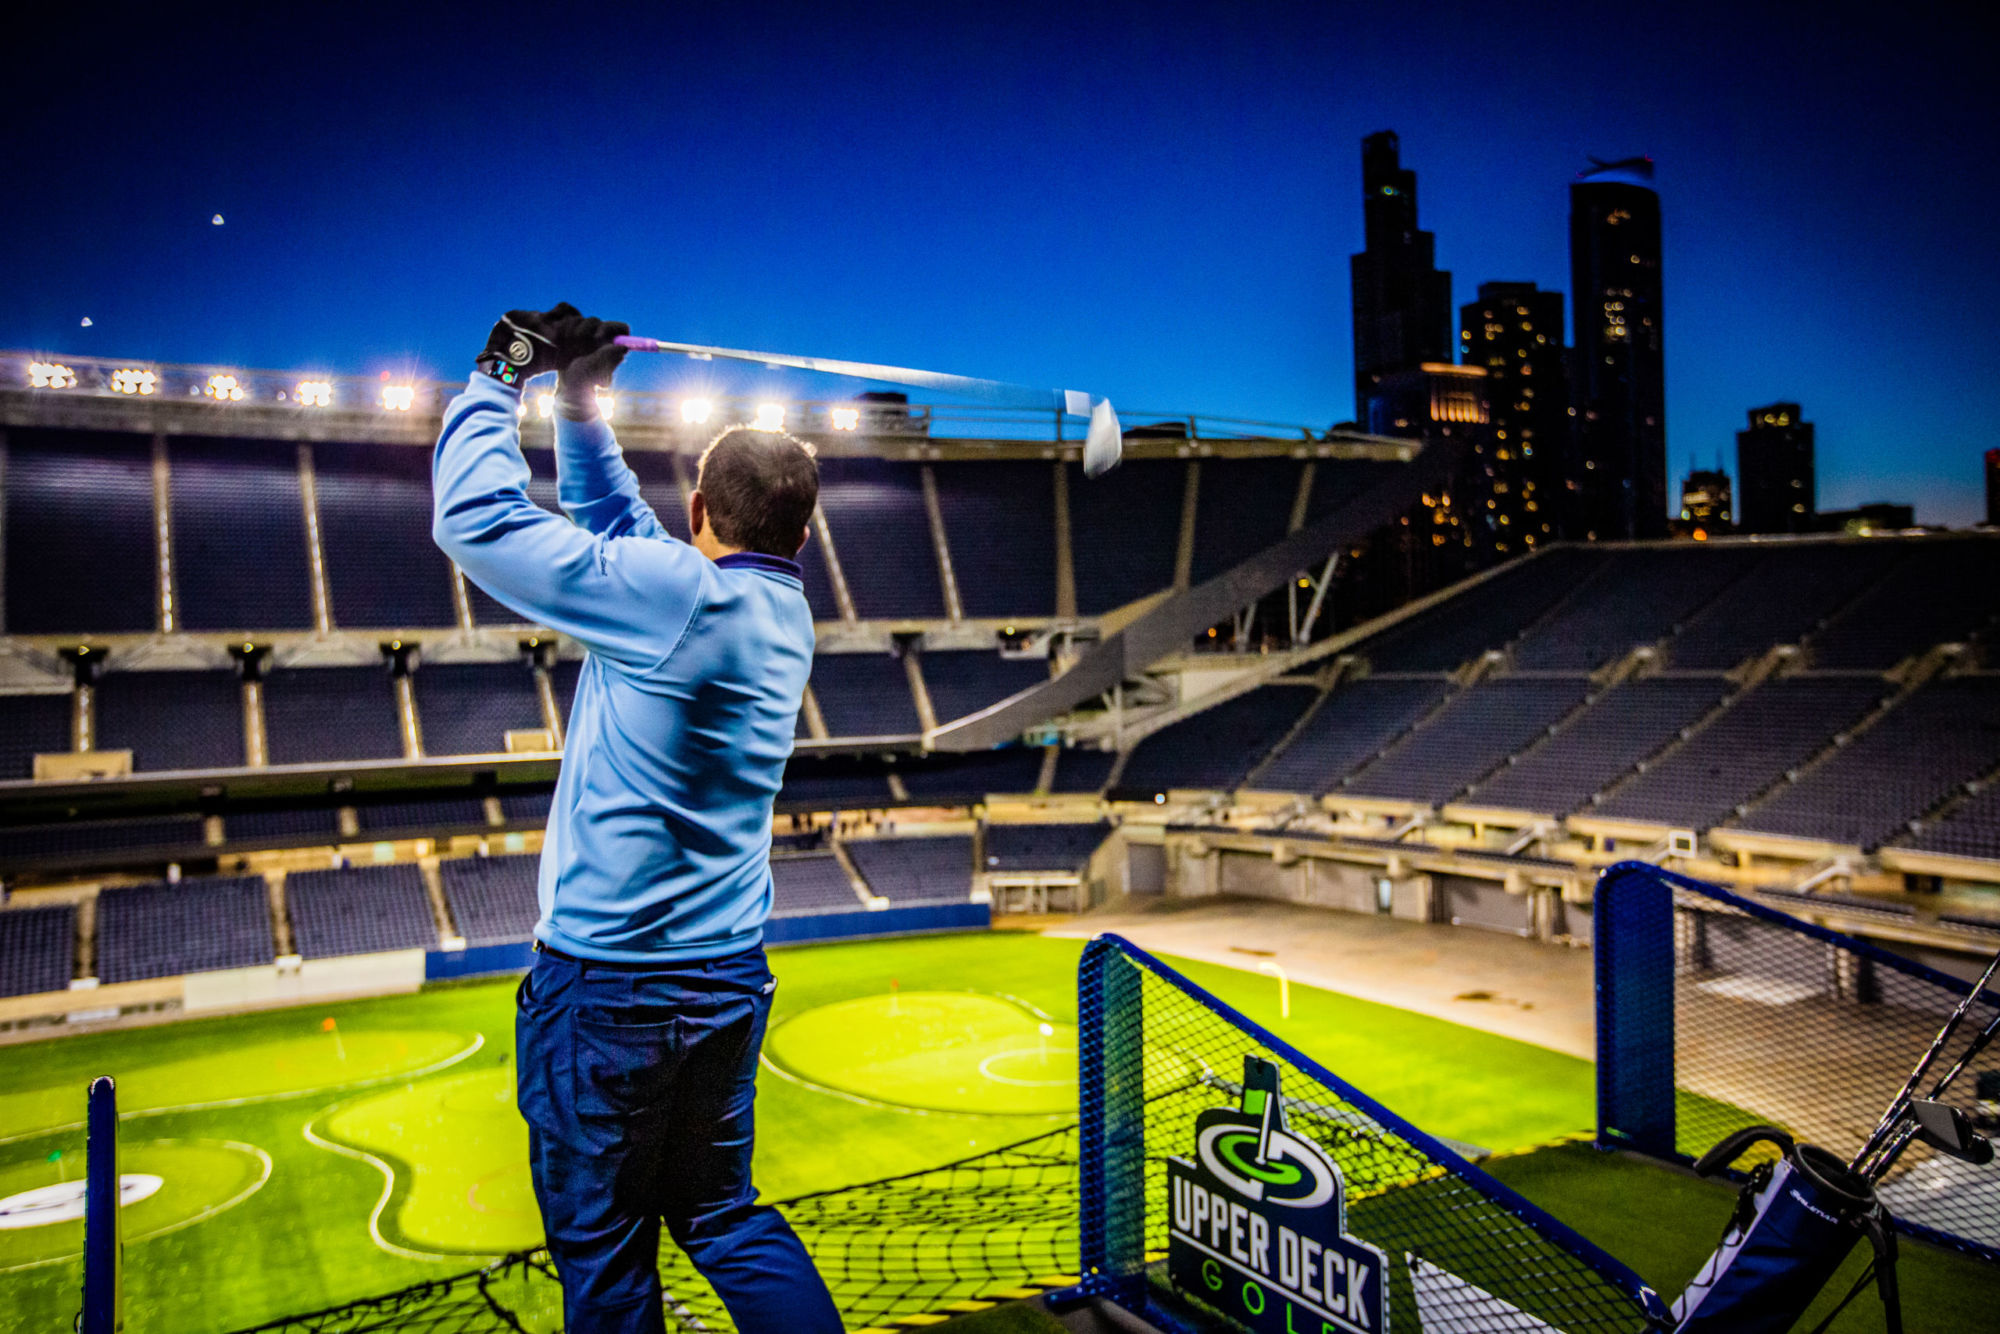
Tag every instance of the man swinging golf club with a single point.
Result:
(638, 1030)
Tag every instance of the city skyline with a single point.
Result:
(1015, 196)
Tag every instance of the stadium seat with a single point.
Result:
(172, 720)
(882, 534)
(1042, 847)
(240, 558)
(31, 725)
(80, 502)
(318, 714)
(1357, 721)
(1618, 731)
(37, 949)
(1468, 738)
(1123, 538)
(864, 694)
(915, 870)
(196, 926)
(817, 883)
(492, 899)
(965, 681)
(467, 708)
(1216, 747)
(359, 910)
(382, 569)
(999, 522)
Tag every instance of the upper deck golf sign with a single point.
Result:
(1258, 1224)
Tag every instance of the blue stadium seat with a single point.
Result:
(422, 818)
(467, 708)
(359, 910)
(999, 521)
(37, 949)
(172, 720)
(492, 899)
(196, 926)
(1619, 730)
(1353, 726)
(80, 502)
(1787, 595)
(382, 569)
(811, 884)
(875, 510)
(1970, 829)
(84, 843)
(240, 558)
(1124, 532)
(1042, 847)
(1216, 747)
(864, 694)
(32, 725)
(1242, 506)
(964, 681)
(1942, 591)
(916, 870)
(1639, 596)
(962, 779)
(314, 715)
(1079, 770)
(1467, 739)
(1488, 616)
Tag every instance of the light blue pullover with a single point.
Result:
(659, 839)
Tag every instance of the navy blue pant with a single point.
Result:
(639, 1089)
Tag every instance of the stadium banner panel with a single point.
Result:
(1224, 1173)
(1716, 1013)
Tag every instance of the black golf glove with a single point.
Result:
(524, 344)
(587, 356)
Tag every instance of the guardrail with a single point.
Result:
(393, 397)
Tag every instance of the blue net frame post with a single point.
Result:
(1112, 1106)
(103, 1235)
(1633, 939)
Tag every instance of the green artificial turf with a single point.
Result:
(1664, 1222)
(406, 1160)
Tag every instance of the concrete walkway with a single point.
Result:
(1498, 983)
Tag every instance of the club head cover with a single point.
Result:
(1104, 444)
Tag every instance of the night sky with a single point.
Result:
(1154, 203)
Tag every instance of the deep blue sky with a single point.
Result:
(1155, 202)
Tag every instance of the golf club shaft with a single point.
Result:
(1893, 1150)
(1901, 1101)
(992, 391)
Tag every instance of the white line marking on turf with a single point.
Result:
(388, 1189)
(1026, 1083)
(263, 1159)
(478, 1041)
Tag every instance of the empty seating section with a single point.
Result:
(1354, 724)
(811, 884)
(172, 720)
(1785, 596)
(1942, 592)
(1124, 532)
(1638, 597)
(1042, 847)
(280, 824)
(359, 910)
(467, 708)
(1337, 482)
(864, 694)
(882, 534)
(563, 677)
(1241, 507)
(966, 680)
(999, 523)
(31, 725)
(819, 584)
(1487, 616)
(102, 842)
(1922, 750)
(382, 569)
(389, 819)
(1081, 770)
(196, 926)
(526, 808)
(316, 714)
(239, 526)
(79, 503)
(1621, 728)
(916, 870)
(1216, 747)
(1970, 829)
(1775, 727)
(1466, 739)
(659, 488)
(835, 782)
(492, 899)
(487, 609)
(957, 779)
(37, 949)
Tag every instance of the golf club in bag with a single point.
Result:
(1798, 1218)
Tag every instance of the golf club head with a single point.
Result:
(1949, 1131)
(1104, 444)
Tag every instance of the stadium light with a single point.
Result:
(133, 380)
(607, 405)
(224, 389)
(544, 405)
(770, 417)
(315, 393)
(696, 410)
(50, 375)
(846, 419)
(398, 397)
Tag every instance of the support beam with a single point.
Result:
(83, 718)
(1184, 550)
(947, 576)
(545, 696)
(3, 530)
(1065, 553)
(461, 600)
(920, 691)
(407, 722)
(815, 720)
(322, 595)
(256, 746)
(1320, 588)
(1303, 499)
(166, 606)
(834, 574)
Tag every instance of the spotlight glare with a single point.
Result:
(50, 375)
(224, 389)
(544, 404)
(607, 404)
(133, 380)
(398, 397)
(846, 419)
(315, 393)
(696, 410)
(770, 417)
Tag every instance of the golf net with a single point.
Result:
(1088, 1205)
(1717, 1012)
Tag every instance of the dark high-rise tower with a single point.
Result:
(1706, 505)
(1774, 472)
(1618, 465)
(1993, 488)
(1514, 331)
(1402, 303)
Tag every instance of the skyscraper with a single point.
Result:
(1514, 331)
(1993, 488)
(1774, 472)
(1451, 533)
(1706, 504)
(1402, 303)
(1617, 472)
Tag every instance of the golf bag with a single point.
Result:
(1795, 1222)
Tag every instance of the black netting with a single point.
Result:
(1775, 1023)
(1461, 1249)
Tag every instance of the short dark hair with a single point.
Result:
(760, 488)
